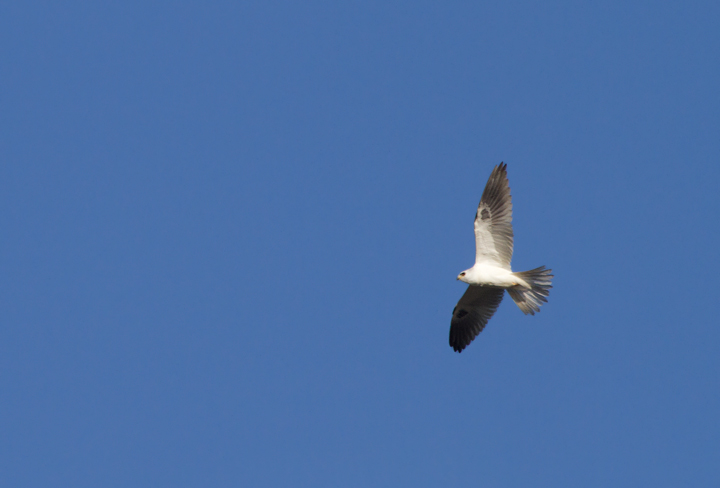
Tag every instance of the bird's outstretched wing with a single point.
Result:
(493, 221)
(471, 314)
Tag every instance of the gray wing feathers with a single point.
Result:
(493, 221)
(472, 313)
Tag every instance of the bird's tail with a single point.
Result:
(529, 300)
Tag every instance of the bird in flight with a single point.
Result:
(491, 275)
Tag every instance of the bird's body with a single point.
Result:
(483, 274)
(492, 275)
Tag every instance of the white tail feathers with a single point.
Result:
(529, 300)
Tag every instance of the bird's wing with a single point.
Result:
(471, 314)
(493, 221)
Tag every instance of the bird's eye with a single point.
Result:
(462, 274)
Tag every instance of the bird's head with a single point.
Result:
(463, 276)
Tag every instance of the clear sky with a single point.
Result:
(230, 233)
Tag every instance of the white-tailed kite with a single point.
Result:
(491, 275)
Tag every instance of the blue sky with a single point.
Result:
(231, 232)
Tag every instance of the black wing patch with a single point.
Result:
(472, 313)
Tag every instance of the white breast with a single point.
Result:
(489, 275)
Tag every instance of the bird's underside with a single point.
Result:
(492, 275)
